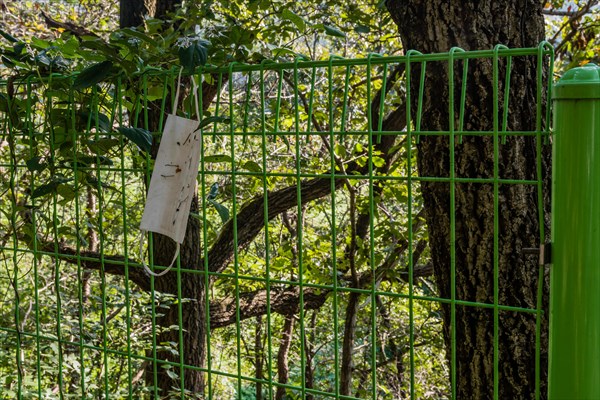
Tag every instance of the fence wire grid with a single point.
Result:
(306, 271)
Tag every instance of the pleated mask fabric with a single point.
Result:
(173, 182)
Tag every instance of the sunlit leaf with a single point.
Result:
(330, 30)
(282, 51)
(294, 18)
(251, 166)
(218, 158)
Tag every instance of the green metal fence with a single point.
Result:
(306, 271)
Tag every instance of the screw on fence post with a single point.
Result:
(574, 367)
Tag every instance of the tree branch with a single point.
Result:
(283, 369)
(583, 10)
(110, 264)
(252, 304)
(67, 26)
(251, 219)
(574, 16)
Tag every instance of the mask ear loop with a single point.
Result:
(146, 268)
(144, 233)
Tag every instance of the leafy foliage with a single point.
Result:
(77, 139)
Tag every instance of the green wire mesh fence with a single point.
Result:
(307, 269)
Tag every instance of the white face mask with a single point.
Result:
(173, 182)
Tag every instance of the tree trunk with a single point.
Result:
(163, 7)
(283, 369)
(432, 26)
(193, 287)
(347, 365)
(132, 13)
(258, 357)
(309, 371)
(193, 309)
(193, 323)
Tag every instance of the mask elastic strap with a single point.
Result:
(146, 268)
(176, 101)
(194, 89)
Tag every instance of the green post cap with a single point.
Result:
(579, 83)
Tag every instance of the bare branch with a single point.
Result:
(110, 264)
(283, 369)
(560, 13)
(583, 10)
(67, 26)
(252, 304)
(251, 219)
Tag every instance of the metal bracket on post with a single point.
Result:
(544, 252)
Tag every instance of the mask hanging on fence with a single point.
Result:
(173, 181)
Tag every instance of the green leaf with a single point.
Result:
(340, 150)
(43, 59)
(93, 74)
(194, 55)
(40, 43)
(66, 192)
(330, 30)
(102, 145)
(154, 93)
(172, 374)
(378, 161)
(36, 164)
(362, 29)
(8, 37)
(92, 160)
(282, 51)
(139, 136)
(18, 48)
(100, 47)
(44, 190)
(295, 18)
(218, 158)
(221, 209)
(140, 35)
(103, 122)
(9, 62)
(251, 166)
(214, 119)
(49, 187)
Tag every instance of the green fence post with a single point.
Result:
(574, 368)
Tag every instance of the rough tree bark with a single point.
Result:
(132, 12)
(348, 344)
(193, 324)
(435, 26)
(283, 369)
(258, 357)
